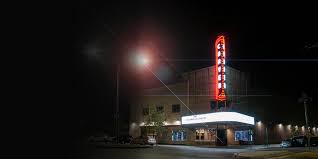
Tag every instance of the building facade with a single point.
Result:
(206, 108)
(223, 123)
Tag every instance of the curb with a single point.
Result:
(122, 147)
(237, 155)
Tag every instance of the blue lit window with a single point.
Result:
(178, 135)
(244, 135)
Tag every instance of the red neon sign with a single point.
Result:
(220, 84)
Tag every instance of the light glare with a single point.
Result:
(142, 59)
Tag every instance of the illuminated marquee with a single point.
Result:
(220, 69)
(218, 117)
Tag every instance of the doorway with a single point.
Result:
(221, 137)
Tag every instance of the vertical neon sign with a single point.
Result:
(220, 84)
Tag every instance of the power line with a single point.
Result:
(246, 60)
(169, 89)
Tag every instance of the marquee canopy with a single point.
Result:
(217, 117)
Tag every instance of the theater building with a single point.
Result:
(206, 121)
(209, 108)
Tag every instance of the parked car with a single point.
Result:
(109, 139)
(126, 139)
(314, 141)
(102, 138)
(299, 141)
(151, 140)
(286, 143)
(96, 139)
(141, 140)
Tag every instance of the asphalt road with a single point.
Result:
(166, 152)
(158, 152)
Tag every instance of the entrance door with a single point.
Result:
(221, 137)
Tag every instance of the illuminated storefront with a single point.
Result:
(219, 127)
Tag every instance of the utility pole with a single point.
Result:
(188, 92)
(266, 134)
(246, 95)
(306, 117)
(304, 99)
(117, 103)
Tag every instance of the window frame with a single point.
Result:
(172, 108)
(160, 111)
(143, 111)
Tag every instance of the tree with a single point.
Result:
(294, 132)
(155, 121)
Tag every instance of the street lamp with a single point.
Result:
(142, 60)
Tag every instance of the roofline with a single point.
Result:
(206, 68)
(196, 70)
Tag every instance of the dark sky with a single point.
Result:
(266, 40)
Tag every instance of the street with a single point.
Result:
(159, 152)
(168, 152)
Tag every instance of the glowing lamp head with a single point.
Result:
(142, 59)
(178, 122)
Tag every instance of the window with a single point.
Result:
(145, 111)
(213, 105)
(178, 135)
(211, 134)
(199, 134)
(221, 105)
(159, 108)
(244, 135)
(175, 108)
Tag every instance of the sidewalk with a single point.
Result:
(261, 154)
(121, 146)
(250, 147)
(282, 154)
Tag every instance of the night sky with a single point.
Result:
(271, 42)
